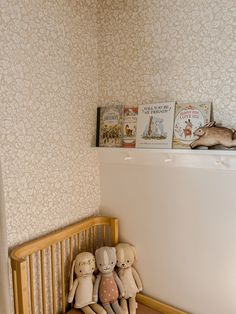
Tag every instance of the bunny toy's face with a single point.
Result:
(84, 264)
(106, 259)
(125, 255)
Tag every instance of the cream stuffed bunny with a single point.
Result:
(108, 284)
(82, 287)
(126, 255)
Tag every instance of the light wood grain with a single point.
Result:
(94, 238)
(104, 235)
(53, 279)
(114, 232)
(62, 246)
(16, 305)
(42, 257)
(71, 251)
(46, 241)
(19, 265)
(31, 266)
(22, 287)
(157, 305)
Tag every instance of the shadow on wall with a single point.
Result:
(4, 282)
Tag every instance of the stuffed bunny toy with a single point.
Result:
(108, 284)
(126, 255)
(82, 287)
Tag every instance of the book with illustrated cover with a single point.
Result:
(188, 118)
(129, 126)
(155, 125)
(109, 126)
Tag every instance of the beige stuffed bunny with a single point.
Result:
(108, 285)
(126, 255)
(82, 287)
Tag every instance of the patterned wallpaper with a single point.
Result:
(49, 89)
(59, 57)
(147, 50)
(154, 50)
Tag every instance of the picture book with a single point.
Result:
(188, 118)
(129, 126)
(109, 126)
(155, 125)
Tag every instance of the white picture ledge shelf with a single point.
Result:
(205, 159)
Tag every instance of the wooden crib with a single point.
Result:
(41, 268)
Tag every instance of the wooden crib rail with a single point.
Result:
(41, 267)
(43, 242)
(23, 265)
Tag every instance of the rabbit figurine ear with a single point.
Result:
(72, 274)
(210, 124)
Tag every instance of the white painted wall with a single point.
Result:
(183, 223)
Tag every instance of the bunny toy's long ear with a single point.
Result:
(134, 251)
(72, 275)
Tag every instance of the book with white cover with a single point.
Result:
(155, 125)
(188, 118)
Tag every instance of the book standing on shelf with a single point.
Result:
(188, 118)
(155, 125)
(109, 126)
(129, 126)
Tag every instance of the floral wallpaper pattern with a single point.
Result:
(155, 50)
(147, 50)
(49, 89)
(59, 59)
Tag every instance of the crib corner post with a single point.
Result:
(114, 231)
(20, 286)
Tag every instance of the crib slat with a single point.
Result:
(22, 286)
(42, 257)
(88, 235)
(78, 237)
(104, 235)
(63, 276)
(53, 279)
(15, 292)
(25, 269)
(85, 240)
(31, 269)
(114, 232)
(94, 238)
(71, 252)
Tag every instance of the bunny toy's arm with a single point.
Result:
(95, 288)
(119, 284)
(137, 279)
(72, 291)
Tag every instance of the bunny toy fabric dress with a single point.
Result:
(84, 292)
(108, 291)
(127, 279)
